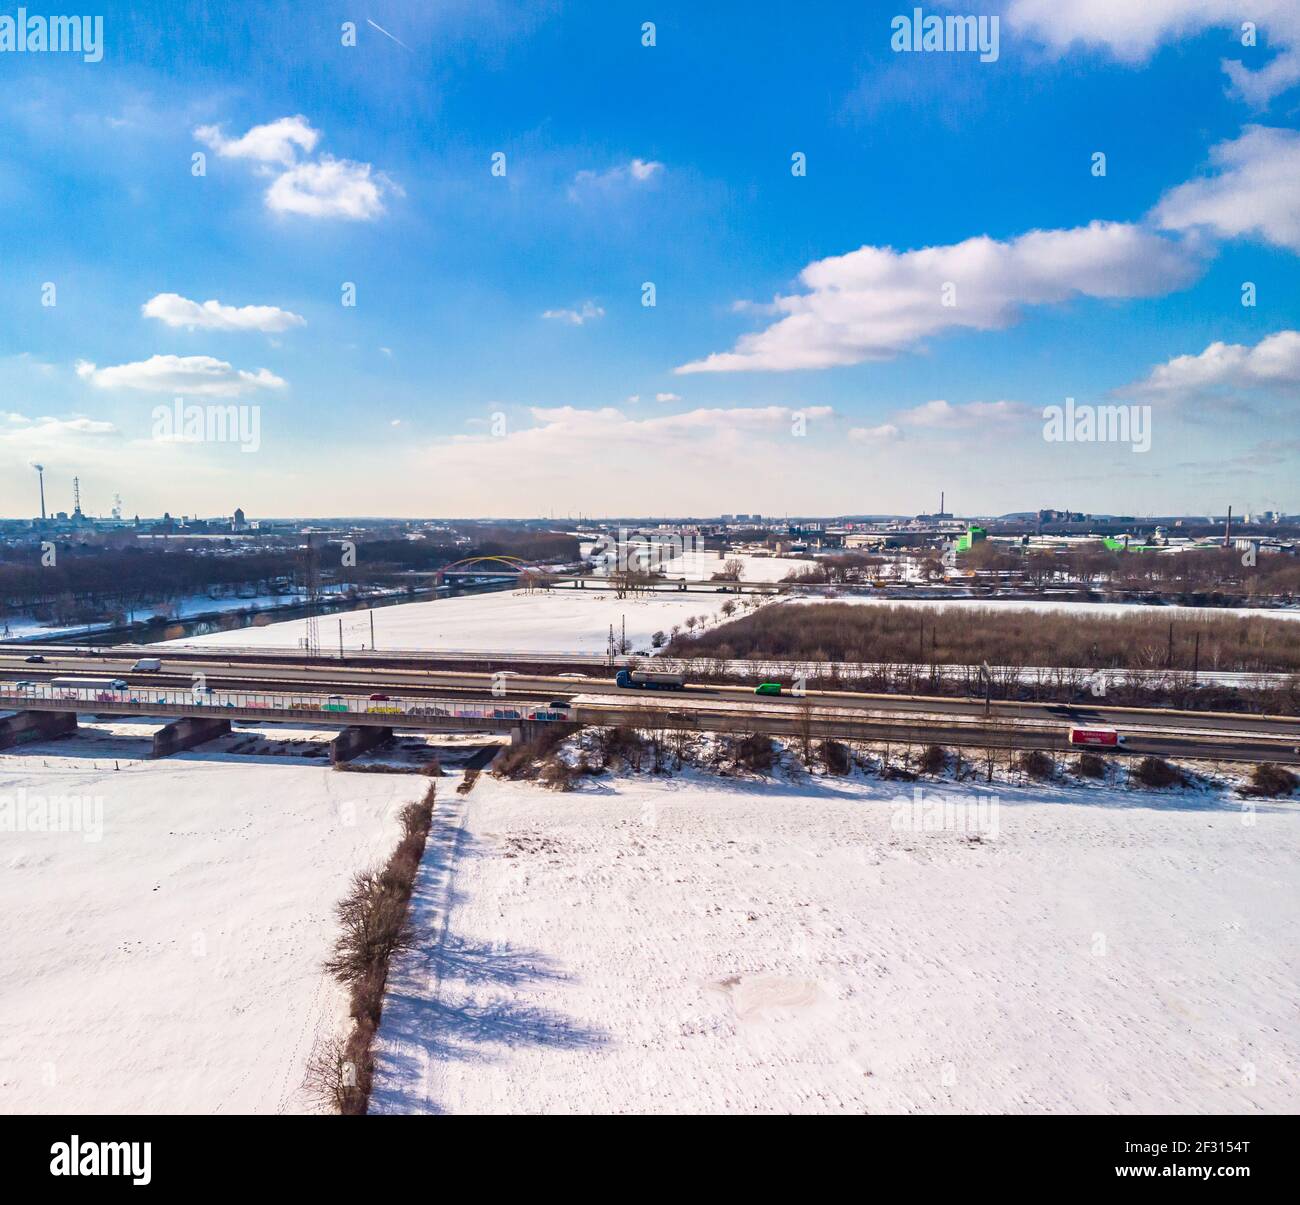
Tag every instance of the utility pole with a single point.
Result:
(372, 629)
(1196, 658)
(340, 640)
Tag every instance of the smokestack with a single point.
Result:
(1227, 529)
(941, 501)
(40, 473)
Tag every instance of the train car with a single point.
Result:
(644, 679)
(1105, 738)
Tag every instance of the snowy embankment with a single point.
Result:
(698, 944)
(163, 949)
(555, 621)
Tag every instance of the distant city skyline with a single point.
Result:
(405, 268)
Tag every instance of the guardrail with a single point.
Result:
(755, 669)
(86, 698)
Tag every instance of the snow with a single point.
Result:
(698, 944)
(555, 621)
(701, 566)
(172, 964)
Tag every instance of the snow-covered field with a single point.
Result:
(162, 951)
(703, 565)
(697, 944)
(563, 620)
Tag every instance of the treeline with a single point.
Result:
(1193, 574)
(93, 582)
(966, 635)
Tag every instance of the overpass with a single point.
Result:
(496, 705)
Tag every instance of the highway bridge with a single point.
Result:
(208, 684)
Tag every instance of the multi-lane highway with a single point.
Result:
(708, 707)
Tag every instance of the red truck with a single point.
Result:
(1106, 737)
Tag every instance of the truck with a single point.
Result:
(147, 665)
(88, 683)
(647, 679)
(1104, 737)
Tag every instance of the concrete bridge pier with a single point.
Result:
(524, 732)
(186, 733)
(356, 740)
(36, 725)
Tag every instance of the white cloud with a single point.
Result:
(637, 171)
(588, 311)
(944, 416)
(649, 461)
(276, 142)
(1132, 30)
(875, 302)
(330, 188)
(1256, 191)
(320, 188)
(667, 397)
(883, 434)
(176, 310)
(1273, 362)
(20, 431)
(197, 376)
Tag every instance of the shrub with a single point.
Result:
(1036, 763)
(835, 756)
(621, 746)
(933, 760)
(376, 925)
(1090, 765)
(754, 752)
(1156, 772)
(1271, 781)
(557, 774)
(525, 760)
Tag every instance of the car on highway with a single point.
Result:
(147, 665)
(768, 688)
(559, 704)
(571, 675)
(35, 659)
(379, 698)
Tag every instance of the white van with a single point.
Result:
(147, 665)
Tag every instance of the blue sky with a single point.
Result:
(799, 356)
